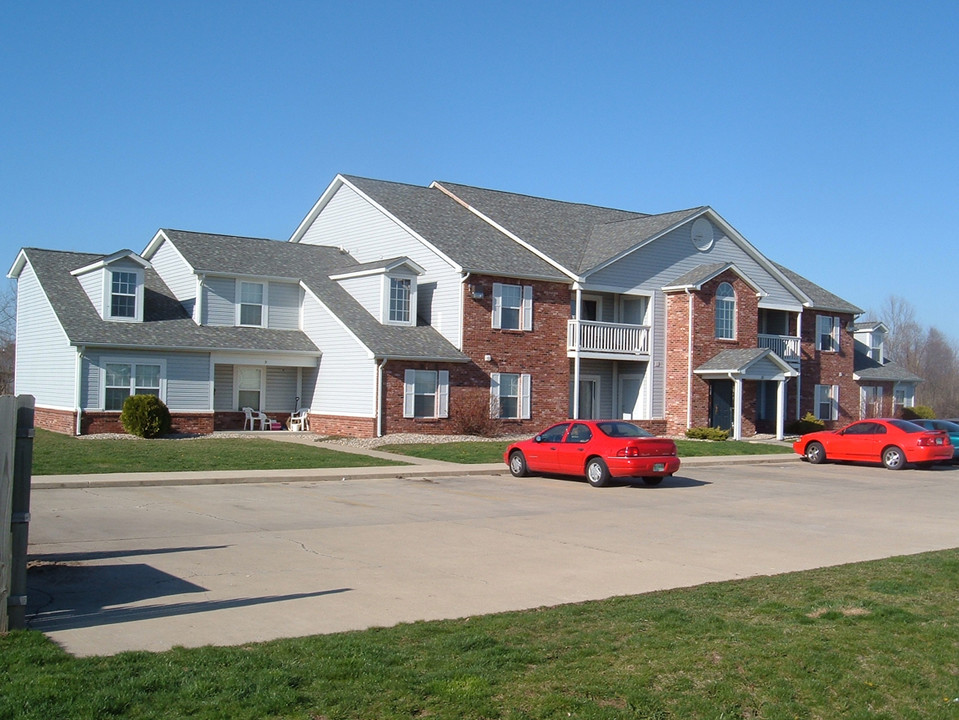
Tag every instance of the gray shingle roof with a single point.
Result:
(313, 265)
(611, 239)
(698, 275)
(868, 369)
(733, 360)
(467, 240)
(165, 323)
(561, 230)
(821, 299)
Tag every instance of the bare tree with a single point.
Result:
(940, 370)
(8, 336)
(906, 338)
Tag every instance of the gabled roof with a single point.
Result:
(559, 230)
(165, 322)
(312, 265)
(819, 298)
(868, 369)
(109, 259)
(378, 267)
(740, 361)
(701, 274)
(463, 239)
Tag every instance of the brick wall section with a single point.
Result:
(828, 368)
(540, 352)
(342, 425)
(187, 423)
(59, 421)
(705, 346)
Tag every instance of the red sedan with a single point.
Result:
(596, 449)
(891, 442)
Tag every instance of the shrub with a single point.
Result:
(471, 416)
(145, 416)
(707, 433)
(809, 423)
(917, 412)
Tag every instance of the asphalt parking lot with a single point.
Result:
(149, 568)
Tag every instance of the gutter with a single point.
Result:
(379, 396)
(76, 387)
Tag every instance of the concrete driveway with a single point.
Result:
(148, 568)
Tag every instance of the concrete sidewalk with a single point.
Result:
(412, 467)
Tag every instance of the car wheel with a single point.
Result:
(517, 464)
(893, 458)
(596, 472)
(652, 480)
(815, 453)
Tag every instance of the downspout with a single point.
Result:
(737, 406)
(200, 279)
(689, 360)
(463, 309)
(76, 384)
(379, 397)
(577, 341)
(799, 376)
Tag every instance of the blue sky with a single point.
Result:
(826, 133)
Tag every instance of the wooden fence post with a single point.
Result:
(16, 461)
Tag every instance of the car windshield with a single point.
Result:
(622, 430)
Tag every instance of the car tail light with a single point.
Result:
(628, 451)
(932, 440)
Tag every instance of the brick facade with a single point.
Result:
(93, 422)
(58, 421)
(540, 352)
(829, 368)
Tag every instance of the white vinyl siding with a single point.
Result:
(176, 273)
(92, 284)
(46, 363)
(251, 304)
(512, 307)
(350, 222)
(279, 303)
(280, 389)
(223, 388)
(285, 301)
(186, 377)
(827, 402)
(346, 379)
(219, 301)
(510, 395)
(827, 333)
(426, 393)
(367, 290)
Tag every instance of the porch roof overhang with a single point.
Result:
(746, 364)
(304, 360)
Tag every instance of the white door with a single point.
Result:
(632, 310)
(632, 397)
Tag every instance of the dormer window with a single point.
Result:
(250, 308)
(123, 294)
(400, 293)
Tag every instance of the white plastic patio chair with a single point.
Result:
(300, 420)
(251, 417)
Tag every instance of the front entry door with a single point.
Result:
(631, 397)
(721, 404)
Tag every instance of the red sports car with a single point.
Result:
(596, 449)
(891, 442)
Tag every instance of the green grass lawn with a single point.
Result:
(870, 640)
(56, 454)
(491, 451)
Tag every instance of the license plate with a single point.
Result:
(659, 467)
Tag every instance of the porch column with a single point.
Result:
(576, 344)
(738, 409)
(781, 409)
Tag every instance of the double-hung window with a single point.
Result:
(725, 312)
(510, 396)
(123, 379)
(252, 296)
(426, 393)
(123, 294)
(249, 387)
(400, 294)
(827, 402)
(512, 307)
(827, 333)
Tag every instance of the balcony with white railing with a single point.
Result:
(604, 339)
(785, 346)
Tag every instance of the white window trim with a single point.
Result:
(734, 301)
(108, 294)
(833, 333)
(385, 299)
(525, 388)
(526, 307)
(441, 409)
(236, 385)
(132, 362)
(833, 394)
(265, 306)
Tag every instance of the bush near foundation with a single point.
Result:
(809, 423)
(923, 412)
(707, 433)
(145, 416)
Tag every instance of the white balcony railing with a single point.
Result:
(784, 346)
(592, 336)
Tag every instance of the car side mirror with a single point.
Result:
(538, 438)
